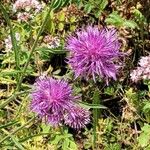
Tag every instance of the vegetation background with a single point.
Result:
(35, 46)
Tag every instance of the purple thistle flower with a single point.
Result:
(53, 100)
(92, 52)
(79, 119)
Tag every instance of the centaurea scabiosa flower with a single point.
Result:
(143, 70)
(54, 101)
(93, 52)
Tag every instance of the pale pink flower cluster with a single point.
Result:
(26, 6)
(23, 16)
(143, 70)
(51, 42)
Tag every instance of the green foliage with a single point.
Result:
(64, 141)
(109, 90)
(94, 7)
(139, 17)
(113, 147)
(45, 52)
(132, 97)
(115, 19)
(56, 4)
(144, 138)
(146, 110)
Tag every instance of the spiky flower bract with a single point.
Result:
(53, 100)
(92, 53)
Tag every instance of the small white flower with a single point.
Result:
(8, 43)
(143, 71)
(52, 42)
(23, 16)
(26, 4)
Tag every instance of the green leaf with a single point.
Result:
(146, 108)
(50, 26)
(45, 128)
(115, 19)
(57, 139)
(73, 146)
(88, 7)
(144, 138)
(51, 50)
(89, 106)
(130, 24)
(65, 2)
(109, 91)
(65, 144)
(56, 4)
(146, 128)
(139, 16)
(98, 13)
(103, 4)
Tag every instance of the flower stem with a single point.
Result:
(96, 114)
(33, 49)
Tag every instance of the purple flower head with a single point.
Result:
(53, 99)
(92, 52)
(79, 119)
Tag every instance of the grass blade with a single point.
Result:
(8, 124)
(20, 147)
(93, 106)
(11, 98)
(18, 129)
